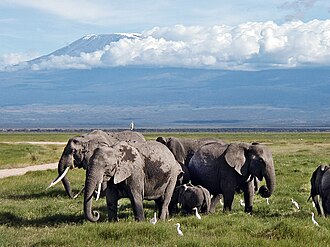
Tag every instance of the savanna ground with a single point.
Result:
(33, 216)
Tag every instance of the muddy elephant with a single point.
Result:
(79, 149)
(189, 196)
(222, 169)
(138, 171)
(183, 149)
(320, 189)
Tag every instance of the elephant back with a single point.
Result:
(127, 136)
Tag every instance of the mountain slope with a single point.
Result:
(87, 44)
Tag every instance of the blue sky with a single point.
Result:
(30, 28)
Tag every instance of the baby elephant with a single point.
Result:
(189, 196)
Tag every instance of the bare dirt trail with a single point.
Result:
(21, 171)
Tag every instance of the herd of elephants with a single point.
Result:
(179, 174)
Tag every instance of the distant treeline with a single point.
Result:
(166, 130)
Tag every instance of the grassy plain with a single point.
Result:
(32, 216)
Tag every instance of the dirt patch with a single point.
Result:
(21, 171)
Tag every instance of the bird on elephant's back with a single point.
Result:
(78, 151)
(223, 168)
(188, 197)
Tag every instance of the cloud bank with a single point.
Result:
(248, 46)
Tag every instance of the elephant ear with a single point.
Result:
(177, 149)
(128, 161)
(161, 139)
(235, 157)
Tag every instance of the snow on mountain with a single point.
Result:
(89, 44)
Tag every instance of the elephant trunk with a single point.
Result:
(92, 181)
(63, 167)
(64, 163)
(269, 175)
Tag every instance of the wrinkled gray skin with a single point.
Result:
(183, 149)
(79, 149)
(222, 169)
(320, 189)
(189, 196)
(138, 171)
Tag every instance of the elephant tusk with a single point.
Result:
(58, 178)
(98, 192)
(83, 188)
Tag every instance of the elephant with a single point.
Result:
(183, 149)
(222, 169)
(320, 189)
(138, 171)
(189, 196)
(79, 149)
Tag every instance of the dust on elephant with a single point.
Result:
(138, 171)
(222, 169)
(189, 196)
(320, 189)
(79, 149)
(184, 148)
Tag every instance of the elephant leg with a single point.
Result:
(214, 202)
(228, 198)
(137, 205)
(248, 190)
(326, 205)
(167, 199)
(158, 206)
(112, 197)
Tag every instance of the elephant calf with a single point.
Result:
(189, 196)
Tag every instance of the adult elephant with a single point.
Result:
(79, 149)
(189, 196)
(138, 171)
(320, 189)
(222, 169)
(183, 149)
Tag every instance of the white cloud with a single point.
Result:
(251, 45)
(11, 59)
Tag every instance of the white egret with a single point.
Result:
(154, 219)
(314, 221)
(131, 126)
(295, 203)
(180, 233)
(196, 213)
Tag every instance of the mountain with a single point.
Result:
(161, 96)
(87, 44)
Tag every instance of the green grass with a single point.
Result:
(32, 216)
(36, 137)
(21, 155)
